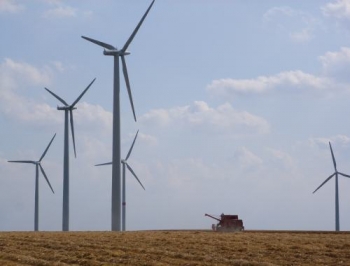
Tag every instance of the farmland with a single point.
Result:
(175, 248)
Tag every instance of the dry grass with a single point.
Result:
(174, 248)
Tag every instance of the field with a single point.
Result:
(175, 248)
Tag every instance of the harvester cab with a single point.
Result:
(227, 223)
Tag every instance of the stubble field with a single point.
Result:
(175, 248)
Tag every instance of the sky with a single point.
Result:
(236, 102)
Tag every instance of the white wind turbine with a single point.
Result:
(116, 179)
(337, 227)
(125, 164)
(68, 112)
(37, 166)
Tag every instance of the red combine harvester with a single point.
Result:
(227, 223)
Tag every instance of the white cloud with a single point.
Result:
(270, 14)
(335, 75)
(159, 117)
(88, 114)
(15, 76)
(229, 87)
(91, 149)
(332, 59)
(301, 36)
(247, 159)
(61, 12)
(341, 140)
(339, 9)
(58, 65)
(52, 2)
(282, 157)
(11, 69)
(298, 25)
(200, 115)
(148, 139)
(10, 6)
(41, 114)
(186, 173)
(337, 64)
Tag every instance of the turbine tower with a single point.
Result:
(116, 158)
(37, 166)
(337, 227)
(125, 164)
(68, 112)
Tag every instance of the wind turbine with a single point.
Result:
(37, 166)
(125, 164)
(113, 51)
(68, 112)
(336, 188)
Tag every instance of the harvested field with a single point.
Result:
(175, 248)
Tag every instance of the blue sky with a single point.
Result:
(236, 102)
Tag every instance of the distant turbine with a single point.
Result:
(116, 180)
(336, 189)
(125, 163)
(67, 109)
(37, 166)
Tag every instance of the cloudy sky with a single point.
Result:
(236, 102)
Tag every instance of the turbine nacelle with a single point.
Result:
(115, 52)
(66, 108)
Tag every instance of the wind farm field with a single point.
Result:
(175, 248)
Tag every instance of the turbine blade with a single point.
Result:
(133, 173)
(126, 77)
(21, 162)
(47, 180)
(57, 97)
(72, 129)
(126, 45)
(104, 45)
(324, 182)
(132, 146)
(334, 163)
(344, 174)
(82, 94)
(103, 164)
(48, 146)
